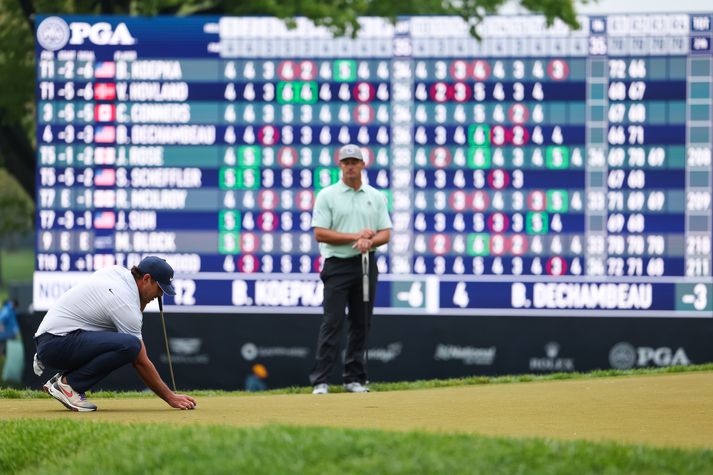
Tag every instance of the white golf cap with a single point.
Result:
(350, 151)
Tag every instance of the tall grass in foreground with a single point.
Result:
(77, 448)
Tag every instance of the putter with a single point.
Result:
(365, 295)
(165, 339)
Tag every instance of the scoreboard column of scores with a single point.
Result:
(496, 137)
(649, 129)
(491, 136)
(320, 93)
(539, 171)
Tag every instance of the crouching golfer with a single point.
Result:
(95, 328)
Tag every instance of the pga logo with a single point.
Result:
(100, 33)
(53, 33)
(624, 355)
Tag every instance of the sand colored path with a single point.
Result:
(672, 410)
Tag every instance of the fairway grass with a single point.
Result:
(77, 447)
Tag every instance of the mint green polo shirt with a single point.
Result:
(339, 208)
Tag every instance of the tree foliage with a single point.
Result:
(16, 64)
(17, 52)
(16, 208)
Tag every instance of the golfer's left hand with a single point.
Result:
(363, 245)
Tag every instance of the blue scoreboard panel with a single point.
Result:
(541, 171)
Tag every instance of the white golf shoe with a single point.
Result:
(50, 382)
(320, 389)
(356, 387)
(72, 400)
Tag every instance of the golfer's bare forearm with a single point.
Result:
(329, 236)
(382, 237)
(148, 374)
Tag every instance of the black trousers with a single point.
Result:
(343, 289)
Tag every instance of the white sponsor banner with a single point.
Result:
(48, 287)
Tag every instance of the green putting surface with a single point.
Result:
(667, 410)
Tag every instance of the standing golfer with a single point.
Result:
(95, 328)
(349, 219)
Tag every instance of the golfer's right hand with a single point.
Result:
(182, 401)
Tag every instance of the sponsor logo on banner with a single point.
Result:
(186, 351)
(53, 33)
(385, 355)
(468, 355)
(624, 355)
(552, 361)
(251, 351)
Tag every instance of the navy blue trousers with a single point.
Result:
(87, 357)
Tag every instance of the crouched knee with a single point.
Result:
(131, 347)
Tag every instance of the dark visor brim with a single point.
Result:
(167, 288)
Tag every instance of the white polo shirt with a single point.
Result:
(107, 301)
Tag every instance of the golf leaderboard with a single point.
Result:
(540, 171)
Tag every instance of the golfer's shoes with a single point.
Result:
(355, 387)
(320, 389)
(46, 386)
(73, 400)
